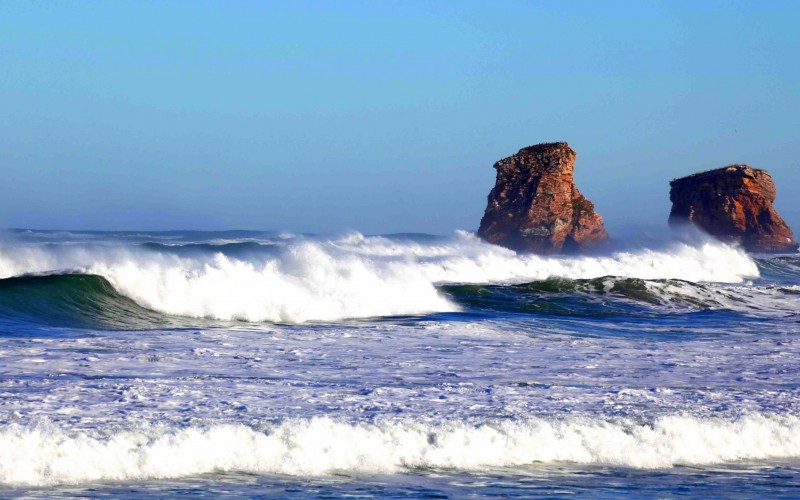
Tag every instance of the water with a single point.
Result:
(401, 366)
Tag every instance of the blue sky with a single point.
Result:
(380, 116)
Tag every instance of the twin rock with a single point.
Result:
(536, 207)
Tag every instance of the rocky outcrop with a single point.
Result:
(733, 204)
(536, 207)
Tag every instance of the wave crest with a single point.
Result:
(351, 277)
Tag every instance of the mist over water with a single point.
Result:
(259, 361)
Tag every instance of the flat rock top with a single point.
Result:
(546, 147)
(548, 157)
(731, 171)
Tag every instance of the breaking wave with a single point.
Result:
(305, 279)
(45, 455)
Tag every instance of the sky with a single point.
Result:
(380, 116)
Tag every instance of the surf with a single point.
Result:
(300, 279)
(47, 455)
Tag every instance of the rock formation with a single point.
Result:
(536, 207)
(733, 204)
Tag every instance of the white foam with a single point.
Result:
(354, 276)
(44, 455)
(306, 283)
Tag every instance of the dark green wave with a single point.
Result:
(606, 296)
(75, 300)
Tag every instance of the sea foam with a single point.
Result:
(45, 455)
(352, 276)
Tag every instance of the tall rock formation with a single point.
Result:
(733, 204)
(536, 207)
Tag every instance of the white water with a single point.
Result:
(46, 455)
(351, 277)
(448, 394)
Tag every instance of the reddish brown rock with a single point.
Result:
(733, 204)
(536, 207)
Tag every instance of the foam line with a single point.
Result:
(45, 455)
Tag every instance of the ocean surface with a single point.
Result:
(396, 366)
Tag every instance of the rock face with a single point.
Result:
(733, 204)
(536, 207)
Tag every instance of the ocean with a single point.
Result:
(266, 364)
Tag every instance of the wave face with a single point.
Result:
(613, 296)
(45, 455)
(294, 279)
(73, 299)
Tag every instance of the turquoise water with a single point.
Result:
(400, 366)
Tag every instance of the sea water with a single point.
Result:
(406, 366)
